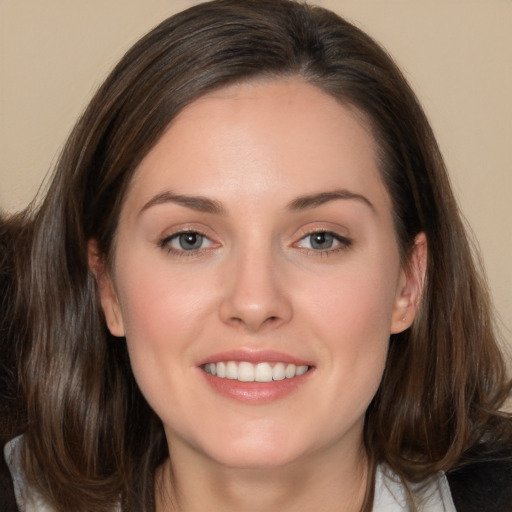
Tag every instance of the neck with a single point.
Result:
(322, 482)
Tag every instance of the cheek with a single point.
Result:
(351, 317)
(355, 303)
(163, 314)
(157, 304)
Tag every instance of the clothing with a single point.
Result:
(389, 492)
(7, 500)
(27, 499)
(483, 482)
(390, 495)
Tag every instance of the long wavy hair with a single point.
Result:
(92, 438)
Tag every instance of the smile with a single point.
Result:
(261, 372)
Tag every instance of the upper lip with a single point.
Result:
(254, 357)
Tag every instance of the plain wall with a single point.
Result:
(457, 55)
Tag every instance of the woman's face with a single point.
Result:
(257, 277)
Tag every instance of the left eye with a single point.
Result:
(187, 241)
(322, 241)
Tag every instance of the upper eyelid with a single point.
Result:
(177, 230)
(186, 230)
(337, 231)
(312, 231)
(337, 236)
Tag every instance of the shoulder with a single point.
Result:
(19, 495)
(16, 494)
(7, 496)
(483, 481)
(392, 494)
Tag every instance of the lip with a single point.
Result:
(255, 357)
(255, 393)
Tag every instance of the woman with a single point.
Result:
(251, 288)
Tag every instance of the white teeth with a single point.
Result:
(221, 369)
(246, 372)
(261, 372)
(279, 371)
(290, 371)
(232, 370)
(301, 370)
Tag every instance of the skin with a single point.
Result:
(255, 283)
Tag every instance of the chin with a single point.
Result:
(256, 452)
(258, 460)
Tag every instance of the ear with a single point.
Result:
(108, 296)
(410, 286)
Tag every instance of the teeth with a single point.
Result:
(221, 369)
(279, 371)
(263, 373)
(248, 372)
(232, 370)
(301, 370)
(290, 371)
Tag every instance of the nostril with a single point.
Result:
(255, 323)
(271, 321)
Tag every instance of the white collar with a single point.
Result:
(390, 496)
(27, 499)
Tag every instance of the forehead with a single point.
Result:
(285, 131)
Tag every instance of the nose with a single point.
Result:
(254, 297)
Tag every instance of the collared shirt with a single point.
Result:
(391, 496)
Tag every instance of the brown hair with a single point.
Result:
(92, 436)
(13, 236)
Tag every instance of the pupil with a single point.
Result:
(190, 241)
(321, 240)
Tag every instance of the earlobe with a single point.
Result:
(410, 288)
(108, 296)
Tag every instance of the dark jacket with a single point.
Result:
(484, 482)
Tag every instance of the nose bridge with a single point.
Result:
(254, 295)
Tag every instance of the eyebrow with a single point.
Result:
(315, 200)
(207, 205)
(198, 203)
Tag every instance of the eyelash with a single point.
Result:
(165, 243)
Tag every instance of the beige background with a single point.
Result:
(456, 53)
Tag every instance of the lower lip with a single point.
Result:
(256, 392)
